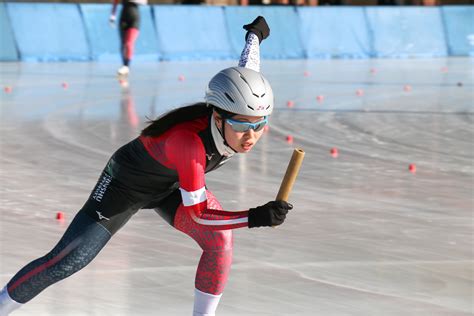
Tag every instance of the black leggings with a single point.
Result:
(129, 18)
(81, 242)
(108, 208)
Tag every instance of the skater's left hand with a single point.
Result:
(112, 20)
(271, 214)
(258, 27)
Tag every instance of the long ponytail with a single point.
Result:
(176, 116)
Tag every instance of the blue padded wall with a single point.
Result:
(8, 51)
(459, 24)
(146, 47)
(335, 32)
(191, 32)
(284, 40)
(407, 31)
(104, 40)
(43, 32)
(48, 31)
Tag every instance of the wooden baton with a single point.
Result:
(290, 175)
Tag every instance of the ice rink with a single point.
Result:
(366, 236)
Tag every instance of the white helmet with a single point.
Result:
(242, 91)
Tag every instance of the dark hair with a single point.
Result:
(169, 119)
(223, 113)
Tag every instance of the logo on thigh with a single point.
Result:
(101, 217)
(102, 187)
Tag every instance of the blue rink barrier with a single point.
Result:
(191, 32)
(52, 32)
(8, 51)
(459, 25)
(406, 31)
(104, 40)
(47, 32)
(284, 40)
(335, 32)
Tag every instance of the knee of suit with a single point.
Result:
(130, 38)
(222, 240)
(208, 239)
(217, 241)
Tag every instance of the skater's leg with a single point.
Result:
(87, 234)
(130, 37)
(123, 26)
(81, 242)
(216, 259)
(129, 30)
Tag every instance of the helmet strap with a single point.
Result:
(223, 135)
(219, 140)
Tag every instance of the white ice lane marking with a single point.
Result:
(58, 129)
(283, 266)
(294, 268)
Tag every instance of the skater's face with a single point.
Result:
(242, 131)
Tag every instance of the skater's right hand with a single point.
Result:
(112, 20)
(258, 27)
(271, 214)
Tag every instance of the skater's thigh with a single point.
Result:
(110, 204)
(207, 238)
(167, 207)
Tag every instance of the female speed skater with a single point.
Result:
(164, 169)
(129, 25)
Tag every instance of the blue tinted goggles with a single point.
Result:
(242, 127)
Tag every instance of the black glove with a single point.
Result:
(258, 27)
(271, 214)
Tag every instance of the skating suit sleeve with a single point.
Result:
(114, 6)
(186, 153)
(250, 56)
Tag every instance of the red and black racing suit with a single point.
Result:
(166, 173)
